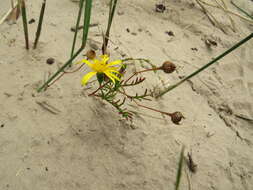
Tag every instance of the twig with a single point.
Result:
(211, 18)
(42, 11)
(100, 87)
(48, 107)
(242, 10)
(188, 179)
(224, 8)
(244, 117)
(8, 13)
(229, 11)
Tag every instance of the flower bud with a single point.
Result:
(176, 117)
(91, 54)
(168, 67)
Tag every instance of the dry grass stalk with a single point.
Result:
(211, 18)
(227, 10)
(11, 12)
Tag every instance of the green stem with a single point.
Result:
(87, 13)
(60, 70)
(24, 18)
(180, 168)
(42, 11)
(86, 24)
(77, 26)
(207, 65)
(113, 4)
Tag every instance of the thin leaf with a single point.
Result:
(179, 169)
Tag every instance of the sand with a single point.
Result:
(84, 145)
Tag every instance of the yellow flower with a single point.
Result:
(101, 66)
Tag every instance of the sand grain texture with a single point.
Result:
(84, 145)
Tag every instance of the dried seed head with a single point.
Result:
(176, 117)
(168, 67)
(91, 54)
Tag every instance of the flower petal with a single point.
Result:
(113, 70)
(117, 62)
(110, 76)
(104, 58)
(85, 61)
(87, 77)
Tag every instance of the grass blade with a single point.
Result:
(42, 11)
(87, 14)
(24, 18)
(77, 26)
(86, 24)
(179, 169)
(113, 4)
(206, 66)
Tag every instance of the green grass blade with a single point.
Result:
(179, 169)
(206, 66)
(86, 24)
(77, 26)
(113, 4)
(42, 11)
(24, 18)
(87, 14)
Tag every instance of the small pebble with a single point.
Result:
(160, 8)
(31, 21)
(170, 33)
(50, 61)
(120, 13)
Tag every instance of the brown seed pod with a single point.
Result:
(168, 67)
(176, 117)
(91, 54)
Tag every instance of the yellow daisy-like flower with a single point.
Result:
(101, 66)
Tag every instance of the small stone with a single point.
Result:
(160, 8)
(120, 13)
(50, 61)
(31, 21)
(170, 33)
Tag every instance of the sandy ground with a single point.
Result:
(85, 146)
